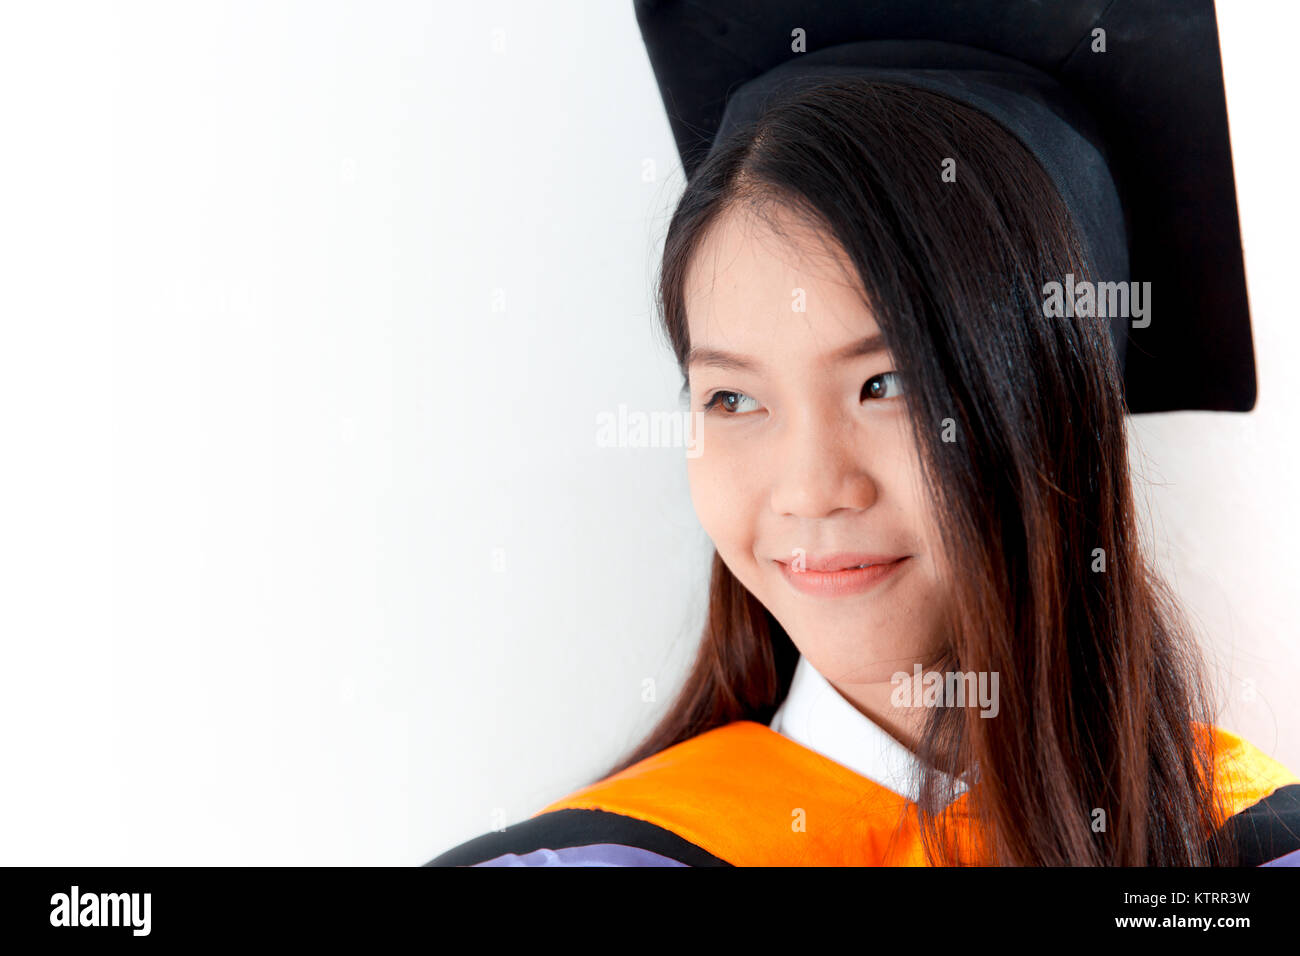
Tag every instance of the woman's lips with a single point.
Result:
(840, 583)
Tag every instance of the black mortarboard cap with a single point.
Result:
(1135, 138)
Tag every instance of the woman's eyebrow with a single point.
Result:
(718, 358)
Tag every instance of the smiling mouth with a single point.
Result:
(849, 579)
(843, 567)
(842, 561)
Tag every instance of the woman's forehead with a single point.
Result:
(753, 280)
(776, 242)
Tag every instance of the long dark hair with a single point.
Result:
(1101, 683)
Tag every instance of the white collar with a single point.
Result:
(817, 716)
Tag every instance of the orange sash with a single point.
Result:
(753, 797)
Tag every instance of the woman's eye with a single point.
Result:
(731, 403)
(883, 386)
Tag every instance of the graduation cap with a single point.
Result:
(1121, 102)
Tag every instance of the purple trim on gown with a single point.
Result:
(1286, 859)
(594, 854)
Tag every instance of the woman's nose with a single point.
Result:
(817, 469)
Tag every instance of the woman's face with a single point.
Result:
(807, 460)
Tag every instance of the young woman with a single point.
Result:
(932, 636)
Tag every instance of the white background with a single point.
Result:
(307, 553)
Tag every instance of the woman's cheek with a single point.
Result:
(724, 484)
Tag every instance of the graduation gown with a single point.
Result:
(750, 794)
